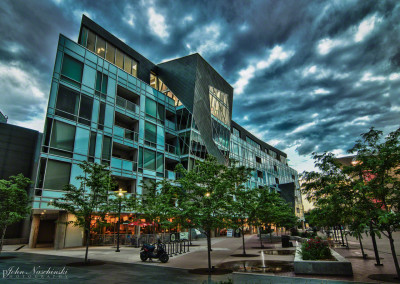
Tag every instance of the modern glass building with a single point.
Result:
(108, 104)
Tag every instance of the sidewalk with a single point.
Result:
(222, 248)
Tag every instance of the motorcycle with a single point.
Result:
(149, 252)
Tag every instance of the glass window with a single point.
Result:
(83, 37)
(119, 59)
(134, 68)
(151, 107)
(102, 114)
(57, 175)
(85, 110)
(106, 153)
(67, 103)
(110, 54)
(149, 159)
(62, 139)
(236, 132)
(140, 162)
(92, 144)
(72, 69)
(150, 132)
(100, 47)
(160, 112)
(160, 162)
(91, 41)
(128, 64)
(101, 82)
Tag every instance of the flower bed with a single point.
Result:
(316, 249)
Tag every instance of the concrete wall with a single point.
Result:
(74, 235)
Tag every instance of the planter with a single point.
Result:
(322, 267)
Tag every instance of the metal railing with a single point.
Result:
(171, 149)
(126, 133)
(169, 124)
(128, 105)
(123, 164)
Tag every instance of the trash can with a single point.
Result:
(285, 241)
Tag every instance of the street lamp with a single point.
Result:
(120, 193)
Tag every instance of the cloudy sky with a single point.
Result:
(308, 75)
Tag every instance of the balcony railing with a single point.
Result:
(128, 105)
(170, 175)
(122, 164)
(171, 149)
(170, 124)
(126, 134)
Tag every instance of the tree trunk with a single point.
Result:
(209, 250)
(190, 236)
(334, 233)
(244, 248)
(396, 262)
(3, 233)
(341, 233)
(87, 244)
(378, 261)
(261, 243)
(362, 248)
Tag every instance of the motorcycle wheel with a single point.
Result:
(164, 258)
(143, 256)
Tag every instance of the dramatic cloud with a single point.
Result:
(307, 76)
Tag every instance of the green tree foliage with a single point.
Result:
(378, 162)
(14, 202)
(90, 199)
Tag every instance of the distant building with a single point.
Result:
(111, 105)
(19, 153)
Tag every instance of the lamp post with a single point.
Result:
(120, 193)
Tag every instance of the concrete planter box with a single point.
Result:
(320, 267)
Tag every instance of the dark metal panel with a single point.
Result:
(287, 192)
(144, 65)
(244, 133)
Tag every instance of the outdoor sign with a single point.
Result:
(229, 233)
(184, 235)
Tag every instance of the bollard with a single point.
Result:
(184, 246)
(176, 248)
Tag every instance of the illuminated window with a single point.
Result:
(219, 105)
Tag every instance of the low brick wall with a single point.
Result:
(320, 267)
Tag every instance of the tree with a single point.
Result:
(14, 202)
(204, 197)
(89, 200)
(378, 160)
(243, 205)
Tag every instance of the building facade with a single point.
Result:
(108, 104)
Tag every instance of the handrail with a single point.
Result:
(126, 104)
(171, 149)
(127, 134)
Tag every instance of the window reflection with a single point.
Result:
(219, 105)
(100, 47)
(110, 54)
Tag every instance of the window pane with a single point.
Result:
(100, 47)
(160, 162)
(140, 162)
(149, 159)
(57, 175)
(151, 107)
(160, 112)
(91, 40)
(104, 83)
(119, 59)
(150, 132)
(128, 64)
(72, 68)
(102, 113)
(110, 54)
(92, 143)
(62, 138)
(134, 68)
(99, 77)
(83, 37)
(85, 110)
(67, 103)
(106, 153)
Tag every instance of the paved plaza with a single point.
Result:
(126, 267)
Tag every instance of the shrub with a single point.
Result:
(315, 249)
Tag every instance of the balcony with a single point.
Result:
(170, 175)
(171, 149)
(123, 165)
(170, 124)
(125, 133)
(127, 105)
